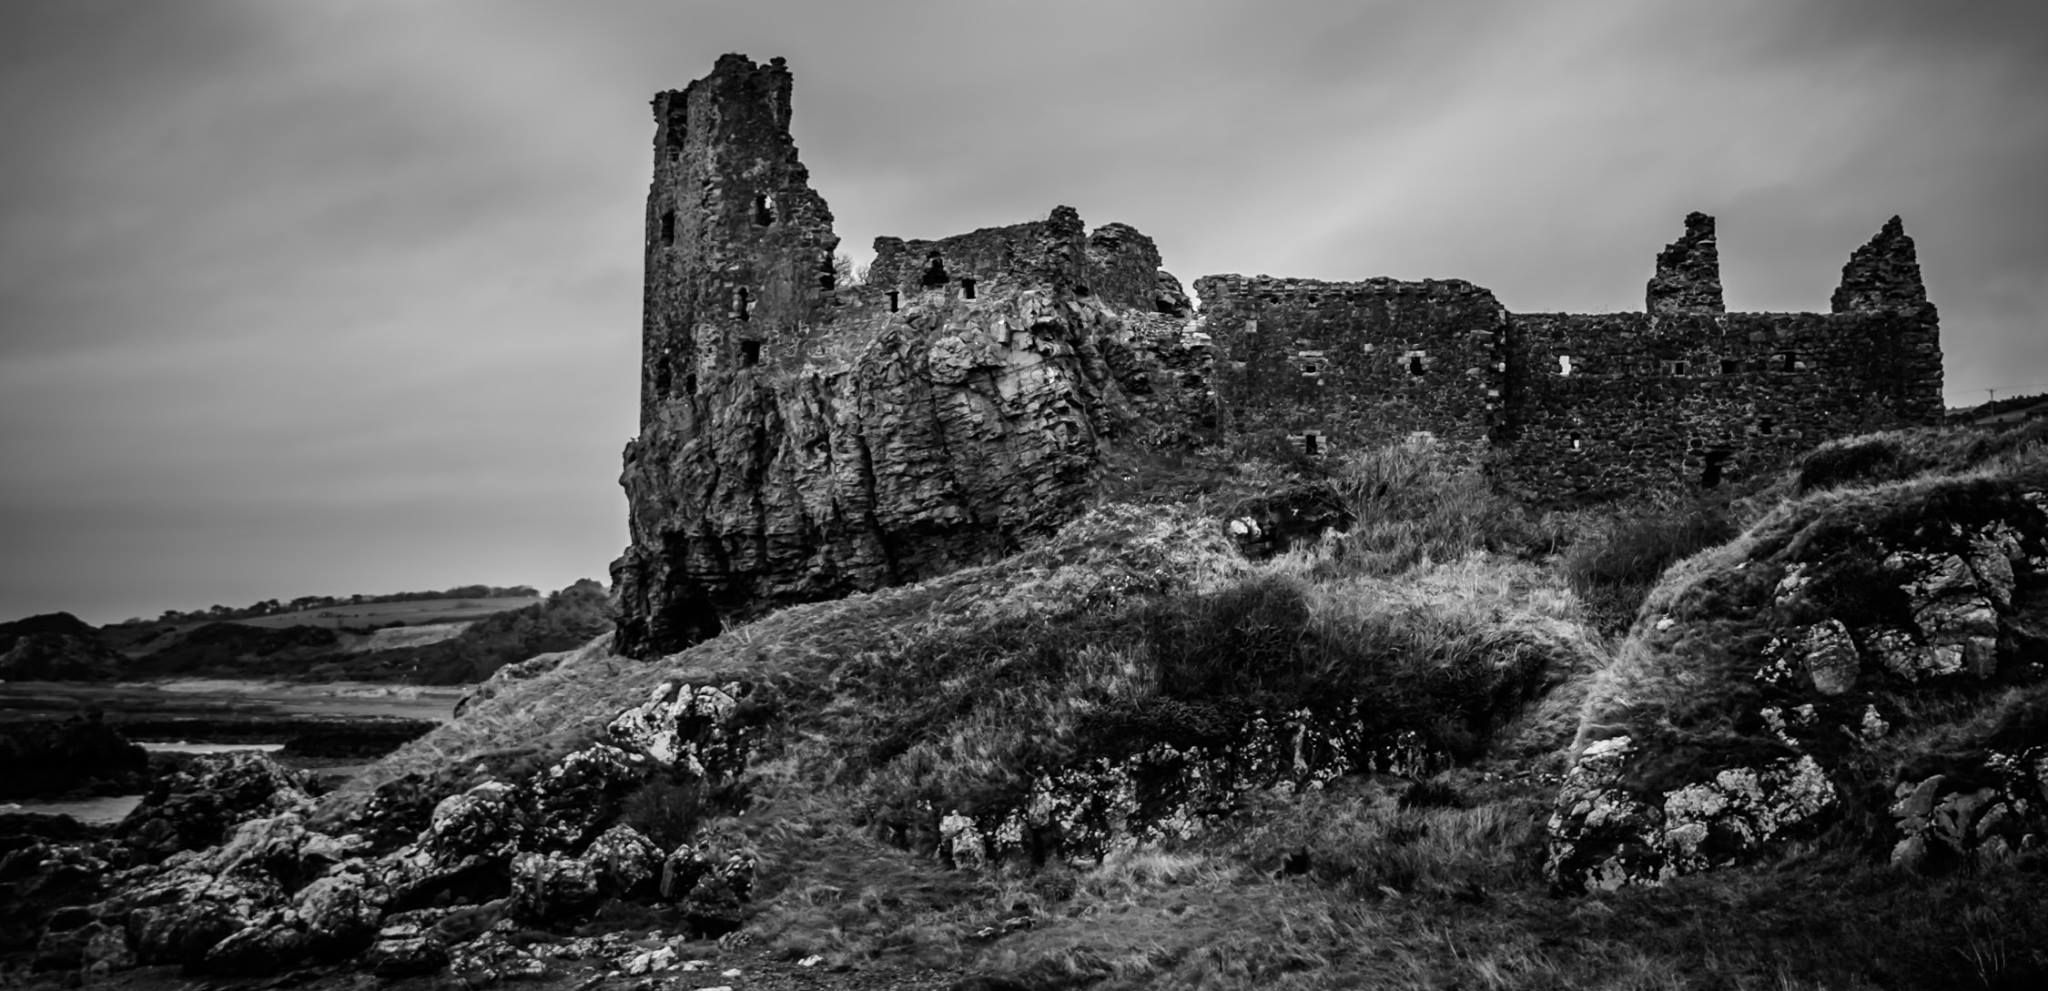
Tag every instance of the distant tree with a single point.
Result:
(844, 273)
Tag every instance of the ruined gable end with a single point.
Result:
(1688, 278)
(1883, 274)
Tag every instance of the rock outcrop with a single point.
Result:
(1869, 663)
(800, 440)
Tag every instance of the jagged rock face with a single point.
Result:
(800, 440)
(1688, 278)
(1795, 685)
(1882, 275)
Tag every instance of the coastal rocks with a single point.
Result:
(1162, 789)
(704, 732)
(553, 887)
(711, 888)
(196, 807)
(38, 882)
(1606, 834)
(626, 863)
(570, 801)
(406, 949)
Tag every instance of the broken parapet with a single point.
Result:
(1884, 274)
(1115, 262)
(1688, 278)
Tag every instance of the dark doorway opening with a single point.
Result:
(1710, 473)
(750, 353)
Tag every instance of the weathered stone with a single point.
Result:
(1882, 275)
(704, 732)
(197, 806)
(552, 887)
(626, 863)
(405, 950)
(1688, 278)
(1830, 658)
(579, 794)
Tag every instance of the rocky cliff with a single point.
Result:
(800, 439)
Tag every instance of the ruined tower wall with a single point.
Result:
(1341, 366)
(738, 245)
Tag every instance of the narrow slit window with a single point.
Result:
(1788, 362)
(764, 210)
(668, 229)
(690, 384)
(750, 353)
(743, 304)
(967, 288)
(1564, 364)
(895, 299)
(1312, 444)
(1578, 443)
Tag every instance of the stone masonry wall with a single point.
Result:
(1607, 405)
(1344, 366)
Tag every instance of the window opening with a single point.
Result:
(663, 377)
(743, 304)
(1564, 364)
(764, 210)
(1730, 366)
(668, 229)
(935, 272)
(1311, 444)
(750, 353)
(893, 300)
(1710, 474)
(967, 288)
(1578, 443)
(1766, 425)
(690, 384)
(1788, 362)
(1677, 367)
(1415, 364)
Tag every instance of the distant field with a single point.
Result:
(394, 637)
(415, 613)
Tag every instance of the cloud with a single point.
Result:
(332, 297)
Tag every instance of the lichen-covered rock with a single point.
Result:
(1875, 618)
(553, 887)
(579, 794)
(711, 888)
(486, 822)
(704, 732)
(627, 864)
(341, 910)
(198, 805)
(491, 958)
(1163, 788)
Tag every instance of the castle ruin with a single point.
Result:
(802, 439)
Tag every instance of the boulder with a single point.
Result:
(550, 888)
(195, 808)
(627, 864)
(578, 795)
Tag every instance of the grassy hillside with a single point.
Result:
(1133, 757)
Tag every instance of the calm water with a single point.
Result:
(210, 697)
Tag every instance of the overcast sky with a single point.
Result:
(322, 297)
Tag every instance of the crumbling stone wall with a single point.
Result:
(1344, 366)
(801, 439)
(1600, 406)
